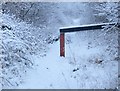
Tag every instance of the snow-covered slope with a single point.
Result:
(82, 68)
(18, 45)
(91, 62)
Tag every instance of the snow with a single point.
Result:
(55, 72)
(18, 47)
(81, 68)
(31, 59)
(88, 25)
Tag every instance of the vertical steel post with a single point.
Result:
(62, 44)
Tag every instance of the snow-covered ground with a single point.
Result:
(30, 58)
(81, 68)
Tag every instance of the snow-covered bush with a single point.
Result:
(105, 11)
(15, 59)
(19, 44)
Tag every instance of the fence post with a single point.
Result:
(62, 44)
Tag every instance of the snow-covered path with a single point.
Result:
(55, 72)
(50, 72)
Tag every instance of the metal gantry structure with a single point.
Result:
(88, 27)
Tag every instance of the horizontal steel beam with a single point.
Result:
(84, 27)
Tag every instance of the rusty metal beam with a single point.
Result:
(62, 44)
